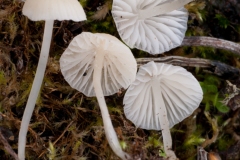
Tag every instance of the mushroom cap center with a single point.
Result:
(102, 49)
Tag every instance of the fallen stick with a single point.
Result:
(7, 147)
(212, 42)
(218, 68)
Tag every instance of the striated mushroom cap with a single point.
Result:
(38, 10)
(77, 63)
(156, 34)
(178, 88)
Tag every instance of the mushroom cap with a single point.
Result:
(77, 63)
(156, 34)
(178, 88)
(38, 10)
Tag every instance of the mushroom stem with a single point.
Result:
(166, 7)
(163, 119)
(35, 88)
(108, 127)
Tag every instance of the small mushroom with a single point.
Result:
(99, 65)
(161, 96)
(47, 10)
(150, 25)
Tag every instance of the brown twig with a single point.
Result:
(177, 60)
(63, 133)
(220, 69)
(57, 138)
(215, 131)
(7, 147)
(212, 42)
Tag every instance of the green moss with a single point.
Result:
(58, 104)
(3, 80)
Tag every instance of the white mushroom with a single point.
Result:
(48, 10)
(150, 25)
(97, 65)
(161, 96)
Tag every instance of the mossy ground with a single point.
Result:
(68, 125)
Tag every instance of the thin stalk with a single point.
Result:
(163, 119)
(166, 7)
(35, 88)
(108, 127)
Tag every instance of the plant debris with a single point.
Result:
(68, 125)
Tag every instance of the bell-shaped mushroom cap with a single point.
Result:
(170, 86)
(155, 34)
(37, 10)
(77, 63)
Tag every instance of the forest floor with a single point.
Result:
(68, 125)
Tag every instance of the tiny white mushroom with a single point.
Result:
(47, 10)
(149, 25)
(161, 96)
(97, 65)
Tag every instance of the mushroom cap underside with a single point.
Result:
(178, 88)
(37, 10)
(156, 34)
(77, 63)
